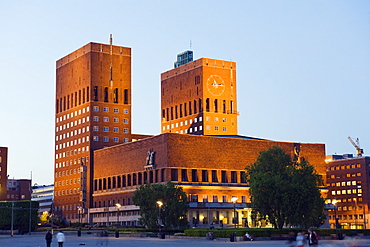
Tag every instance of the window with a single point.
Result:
(106, 129)
(215, 198)
(224, 129)
(115, 129)
(174, 175)
(125, 120)
(106, 109)
(233, 177)
(204, 175)
(96, 138)
(242, 177)
(125, 140)
(106, 119)
(96, 118)
(205, 198)
(125, 111)
(115, 110)
(106, 139)
(216, 127)
(115, 120)
(194, 198)
(125, 130)
(214, 176)
(224, 199)
(184, 175)
(194, 175)
(223, 177)
(96, 108)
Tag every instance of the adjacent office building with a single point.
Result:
(348, 183)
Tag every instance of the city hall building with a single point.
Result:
(99, 163)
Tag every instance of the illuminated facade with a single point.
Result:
(211, 177)
(199, 97)
(347, 182)
(93, 111)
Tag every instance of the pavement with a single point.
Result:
(72, 240)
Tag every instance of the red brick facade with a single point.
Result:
(93, 110)
(3, 172)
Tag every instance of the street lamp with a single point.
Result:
(234, 199)
(160, 204)
(118, 208)
(79, 215)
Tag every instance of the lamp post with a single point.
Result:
(118, 208)
(79, 215)
(234, 199)
(355, 199)
(334, 202)
(160, 204)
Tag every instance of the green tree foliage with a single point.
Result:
(21, 215)
(285, 193)
(172, 213)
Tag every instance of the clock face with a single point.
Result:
(215, 85)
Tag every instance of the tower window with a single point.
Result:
(207, 105)
(115, 95)
(96, 93)
(106, 94)
(125, 97)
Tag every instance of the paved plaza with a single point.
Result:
(37, 240)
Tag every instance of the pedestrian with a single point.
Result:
(248, 237)
(60, 238)
(311, 237)
(300, 239)
(48, 238)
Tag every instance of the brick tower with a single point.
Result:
(93, 111)
(199, 97)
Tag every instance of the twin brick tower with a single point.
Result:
(93, 111)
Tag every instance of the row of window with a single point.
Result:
(344, 183)
(215, 198)
(74, 142)
(189, 108)
(134, 179)
(71, 152)
(106, 139)
(347, 192)
(72, 114)
(111, 203)
(106, 129)
(72, 133)
(67, 192)
(72, 124)
(208, 176)
(67, 182)
(106, 109)
(82, 96)
(343, 175)
(71, 162)
(343, 167)
(348, 217)
(106, 119)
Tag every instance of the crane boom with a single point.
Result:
(356, 144)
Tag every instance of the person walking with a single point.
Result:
(48, 238)
(311, 238)
(60, 238)
(300, 239)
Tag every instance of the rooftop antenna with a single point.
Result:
(190, 44)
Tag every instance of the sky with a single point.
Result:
(302, 66)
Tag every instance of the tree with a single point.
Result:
(172, 214)
(283, 192)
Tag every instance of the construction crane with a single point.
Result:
(356, 144)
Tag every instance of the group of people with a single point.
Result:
(312, 239)
(60, 238)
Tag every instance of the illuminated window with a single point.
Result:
(96, 138)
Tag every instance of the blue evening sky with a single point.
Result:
(302, 66)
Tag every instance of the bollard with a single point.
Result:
(117, 234)
(79, 233)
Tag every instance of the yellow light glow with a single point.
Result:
(334, 202)
(118, 205)
(234, 199)
(160, 204)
